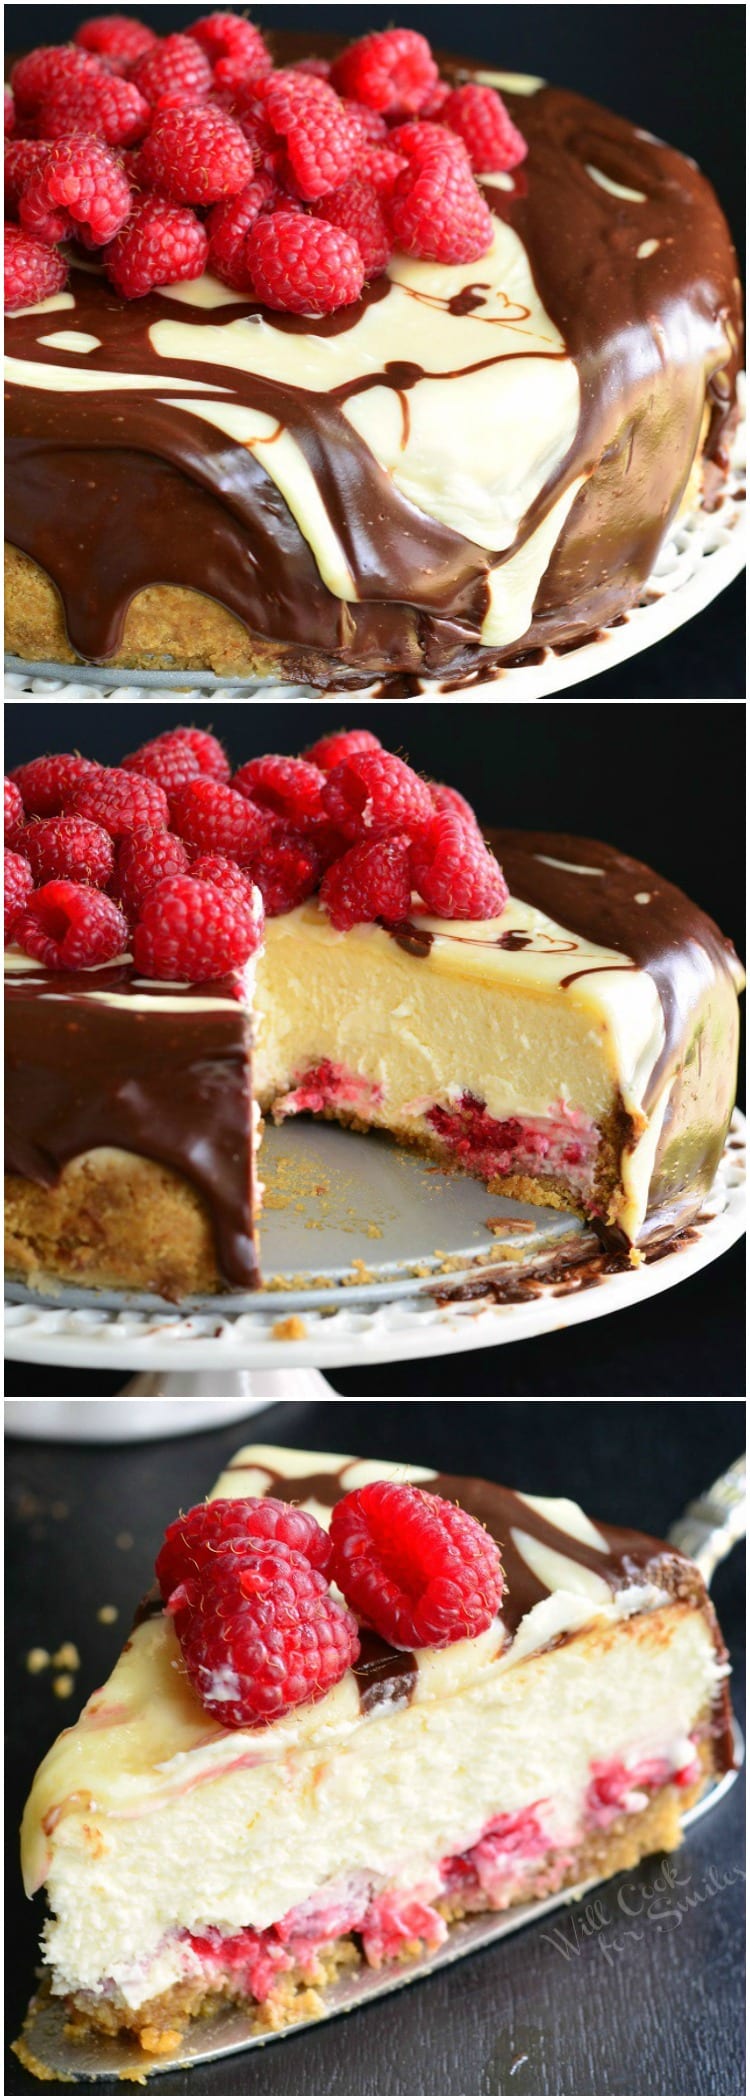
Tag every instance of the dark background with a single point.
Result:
(664, 783)
(666, 2015)
(679, 75)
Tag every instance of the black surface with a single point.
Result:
(666, 785)
(648, 2002)
(685, 83)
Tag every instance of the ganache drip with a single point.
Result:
(163, 497)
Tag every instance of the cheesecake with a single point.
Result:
(473, 461)
(188, 1863)
(577, 1050)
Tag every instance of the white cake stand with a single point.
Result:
(397, 1308)
(702, 553)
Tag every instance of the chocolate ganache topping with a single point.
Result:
(114, 489)
(171, 1082)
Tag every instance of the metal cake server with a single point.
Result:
(706, 1531)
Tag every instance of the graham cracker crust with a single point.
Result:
(552, 1191)
(118, 1221)
(168, 627)
(160, 2023)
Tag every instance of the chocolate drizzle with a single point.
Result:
(670, 937)
(161, 497)
(385, 1676)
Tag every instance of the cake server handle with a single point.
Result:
(712, 1525)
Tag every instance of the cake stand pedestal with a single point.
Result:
(257, 1388)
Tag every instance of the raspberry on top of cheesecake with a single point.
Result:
(332, 935)
(380, 364)
(363, 1701)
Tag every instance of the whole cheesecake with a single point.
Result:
(471, 462)
(578, 1049)
(189, 1860)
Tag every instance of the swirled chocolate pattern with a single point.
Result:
(486, 457)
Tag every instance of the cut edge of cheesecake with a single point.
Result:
(604, 1090)
(626, 1764)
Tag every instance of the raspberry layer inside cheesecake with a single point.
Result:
(187, 1862)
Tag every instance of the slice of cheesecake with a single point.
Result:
(187, 1863)
(580, 1050)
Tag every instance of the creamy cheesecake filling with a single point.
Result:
(154, 1828)
(474, 1051)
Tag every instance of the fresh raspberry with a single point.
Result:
(322, 141)
(225, 875)
(479, 116)
(262, 1635)
(161, 243)
(99, 104)
(378, 166)
(80, 186)
(357, 209)
(18, 883)
(178, 755)
(230, 1524)
(9, 109)
(228, 227)
(120, 801)
(456, 876)
(287, 870)
(437, 100)
(318, 68)
(144, 859)
(177, 66)
(392, 70)
(249, 113)
(371, 127)
(190, 932)
(13, 806)
(371, 881)
(32, 271)
(448, 798)
(47, 784)
(437, 212)
(44, 70)
(288, 787)
(215, 819)
(68, 926)
(231, 36)
(197, 155)
(417, 143)
(24, 160)
(421, 1571)
(68, 849)
(374, 791)
(301, 265)
(117, 39)
(332, 750)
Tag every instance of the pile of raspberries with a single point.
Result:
(170, 858)
(246, 1582)
(168, 156)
